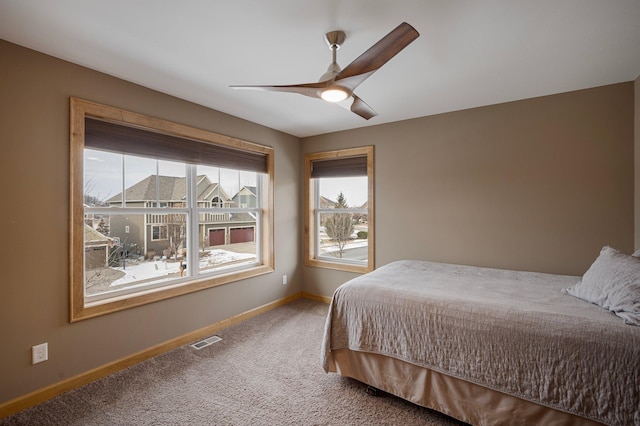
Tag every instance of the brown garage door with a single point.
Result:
(241, 235)
(216, 237)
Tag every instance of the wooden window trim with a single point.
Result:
(309, 205)
(81, 109)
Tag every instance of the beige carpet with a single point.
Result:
(265, 371)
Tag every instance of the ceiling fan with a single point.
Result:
(337, 85)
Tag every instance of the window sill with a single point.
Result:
(119, 303)
(347, 267)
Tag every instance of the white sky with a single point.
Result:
(354, 189)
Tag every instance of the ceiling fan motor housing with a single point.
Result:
(335, 39)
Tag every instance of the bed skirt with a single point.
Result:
(462, 400)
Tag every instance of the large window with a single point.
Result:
(339, 231)
(161, 209)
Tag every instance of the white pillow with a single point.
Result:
(636, 254)
(612, 282)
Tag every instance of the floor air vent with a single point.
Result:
(206, 342)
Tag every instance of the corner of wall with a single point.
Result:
(636, 132)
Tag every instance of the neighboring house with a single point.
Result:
(326, 203)
(246, 197)
(362, 217)
(96, 248)
(162, 234)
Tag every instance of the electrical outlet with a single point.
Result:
(284, 279)
(39, 353)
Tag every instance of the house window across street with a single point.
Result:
(339, 209)
(159, 232)
(162, 214)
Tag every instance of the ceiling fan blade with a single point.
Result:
(376, 56)
(309, 89)
(358, 106)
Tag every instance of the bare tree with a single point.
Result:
(339, 226)
(177, 229)
(89, 199)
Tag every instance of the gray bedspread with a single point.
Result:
(514, 332)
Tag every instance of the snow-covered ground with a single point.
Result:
(331, 247)
(158, 269)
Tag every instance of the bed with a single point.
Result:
(490, 346)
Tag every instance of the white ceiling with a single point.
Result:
(470, 53)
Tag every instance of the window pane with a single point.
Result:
(353, 190)
(343, 236)
(140, 181)
(172, 184)
(247, 195)
(240, 186)
(102, 177)
(121, 251)
(227, 245)
(103, 181)
(228, 239)
(154, 183)
(209, 192)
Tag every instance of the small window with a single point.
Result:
(339, 209)
(152, 204)
(159, 232)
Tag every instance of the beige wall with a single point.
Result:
(540, 184)
(34, 171)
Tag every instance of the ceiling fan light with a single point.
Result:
(335, 94)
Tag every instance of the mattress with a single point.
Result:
(509, 331)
